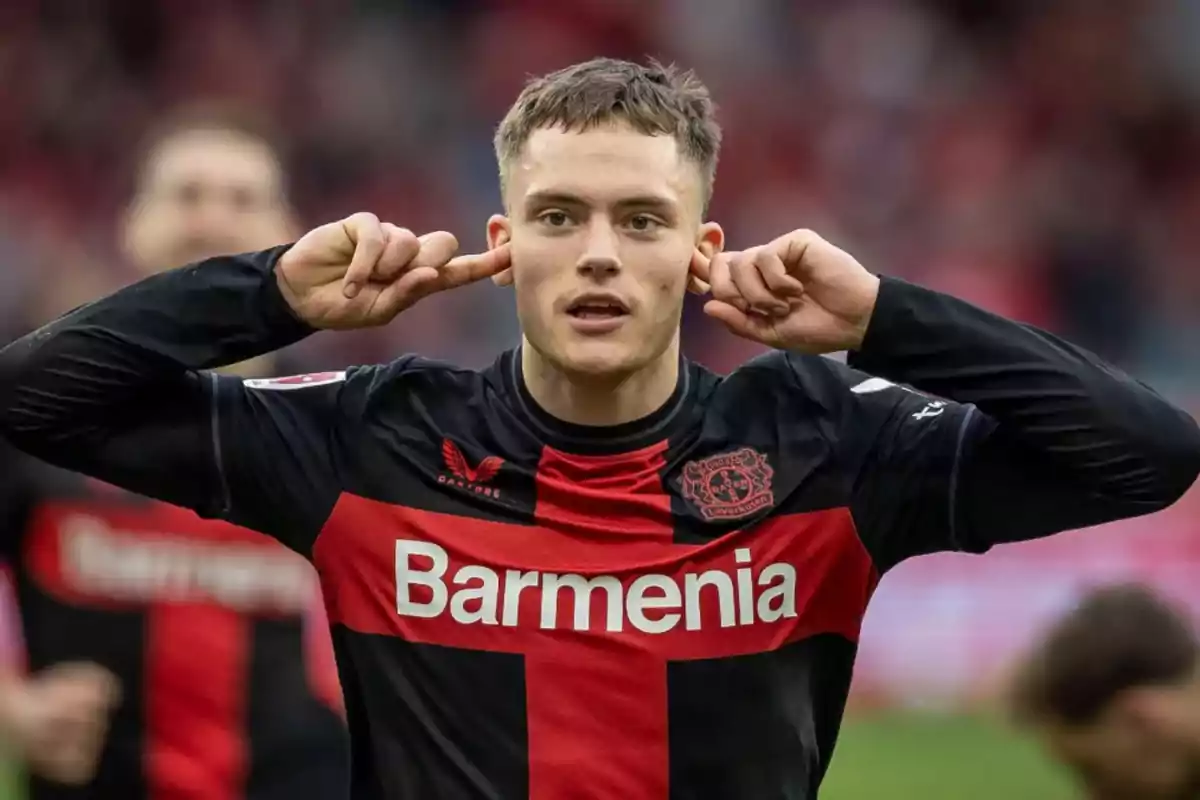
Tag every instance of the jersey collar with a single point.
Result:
(572, 437)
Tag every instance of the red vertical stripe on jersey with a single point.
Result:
(576, 696)
(576, 700)
(196, 662)
(605, 498)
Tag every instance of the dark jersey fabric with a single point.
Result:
(663, 609)
(228, 689)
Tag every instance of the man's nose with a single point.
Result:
(600, 257)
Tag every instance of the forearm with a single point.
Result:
(79, 369)
(1098, 431)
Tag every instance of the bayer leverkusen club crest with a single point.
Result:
(729, 485)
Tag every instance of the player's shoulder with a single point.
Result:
(821, 389)
(411, 382)
(824, 381)
(409, 391)
(369, 381)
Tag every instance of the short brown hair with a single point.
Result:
(653, 99)
(1117, 638)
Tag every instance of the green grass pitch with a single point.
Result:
(892, 756)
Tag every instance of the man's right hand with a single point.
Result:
(360, 272)
(57, 720)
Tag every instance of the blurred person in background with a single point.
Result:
(458, 517)
(169, 657)
(1112, 690)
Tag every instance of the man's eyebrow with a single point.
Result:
(554, 198)
(652, 201)
(548, 198)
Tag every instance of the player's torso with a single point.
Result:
(203, 622)
(673, 620)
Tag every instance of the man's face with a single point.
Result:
(1122, 757)
(603, 226)
(204, 193)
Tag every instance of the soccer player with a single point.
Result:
(595, 569)
(1113, 692)
(200, 634)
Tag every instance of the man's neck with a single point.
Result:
(600, 401)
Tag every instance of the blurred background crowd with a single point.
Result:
(1038, 157)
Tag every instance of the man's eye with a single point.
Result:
(643, 223)
(555, 219)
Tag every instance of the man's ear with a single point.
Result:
(499, 232)
(710, 239)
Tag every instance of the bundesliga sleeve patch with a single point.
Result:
(872, 385)
(296, 381)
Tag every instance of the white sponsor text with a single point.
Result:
(650, 603)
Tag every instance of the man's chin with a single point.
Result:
(599, 359)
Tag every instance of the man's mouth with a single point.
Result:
(597, 308)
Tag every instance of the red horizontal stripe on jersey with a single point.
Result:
(583, 604)
(358, 574)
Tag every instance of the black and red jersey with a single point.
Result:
(228, 685)
(526, 608)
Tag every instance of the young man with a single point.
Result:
(595, 569)
(200, 634)
(1113, 691)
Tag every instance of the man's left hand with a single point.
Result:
(797, 293)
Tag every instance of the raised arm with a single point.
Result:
(1019, 434)
(115, 389)
(118, 389)
(1029, 436)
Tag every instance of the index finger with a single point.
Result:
(721, 282)
(701, 265)
(699, 270)
(465, 269)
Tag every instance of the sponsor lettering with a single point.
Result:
(649, 603)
